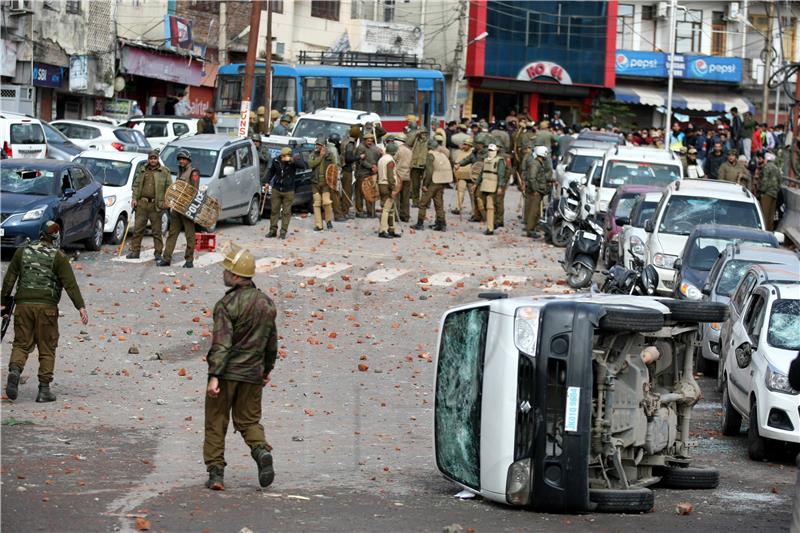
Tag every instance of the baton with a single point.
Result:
(125, 236)
(7, 317)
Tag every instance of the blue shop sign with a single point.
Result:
(47, 75)
(631, 63)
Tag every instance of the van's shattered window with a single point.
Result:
(459, 382)
(784, 325)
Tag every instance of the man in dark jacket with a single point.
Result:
(714, 159)
(206, 124)
(281, 179)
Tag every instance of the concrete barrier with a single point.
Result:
(790, 223)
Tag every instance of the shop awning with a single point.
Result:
(683, 99)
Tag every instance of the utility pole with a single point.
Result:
(767, 63)
(453, 113)
(268, 70)
(250, 68)
(222, 45)
(673, 7)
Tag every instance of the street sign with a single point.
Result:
(244, 118)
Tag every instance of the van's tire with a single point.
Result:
(731, 419)
(631, 319)
(253, 214)
(639, 500)
(686, 311)
(676, 477)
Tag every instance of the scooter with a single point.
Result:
(641, 280)
(576, 203)
(583, 253)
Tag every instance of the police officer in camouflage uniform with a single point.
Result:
(177, 221)
(538, 180)
(491, 180)
(149, 187)
(475, 160)
(321, 193)
(769, 185)
(40, 271)
(243, 350)
(438, 173)
(418, 141)
(366, 165)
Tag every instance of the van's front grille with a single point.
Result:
(526, 417)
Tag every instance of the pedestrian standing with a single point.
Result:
(347, 159)
(282, 185)
(491, 179)
(438, 173)
(691, 166)
(538, 180)
(475, 159)
(243, 349)
(389, 188)
(207, 123)
(714, 160)
(40, 271)
(321, 192)
(149, 187)
(769, 185)
(418, 141)
(402, 170)
(463, 177)
(334, 147)
(366, 165)
(731, 170)
(178, 221)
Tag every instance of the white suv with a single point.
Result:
(21, 136)
(686, 204)
(328, 120)
(763, 343)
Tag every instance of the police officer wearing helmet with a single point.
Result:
(490, 181)
(283, 126)
(389, 188)
(538, 179)
(177, 221)
(40, 272)
(282, 186)
(321, 193)
(244, 346)
(334, 147)
(475, 160)
(438, 173)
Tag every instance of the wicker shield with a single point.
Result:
(332, 177)
(183, 198)
(369, 187)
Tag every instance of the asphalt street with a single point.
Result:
(121, 448)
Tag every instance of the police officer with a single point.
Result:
(491, 179)
(40, 271)
(418, 141)
(321, 193)
(149, 187)
(538, 179)
(389, 188)
(283, 126)
(366, 165)
(769, 185)
(243, 349)
(475, 160)
(206, 124)
(438, 173)
(347, 159)
(411, 124)
(177, 221)
(263, 157)
(282, 183)
(463, 176)
(334, 147)
(402, 169)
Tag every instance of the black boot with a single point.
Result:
(394, 235)
(132, 255)
(216, 478)
(272, 233)
(162, 262)
(419, 226)
(266, 474)
(44, 394)
(330, 225)
(12, 387)
(384, 235)
(188, 264)
(439, 227)
(283, 234)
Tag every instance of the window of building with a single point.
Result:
(388, 10)
(229, 94)
(648, 12)
(718, 35)
(277, 6)
(533, 36)
(624, 27)
(325, 9)
(73, 7)
(688, 30)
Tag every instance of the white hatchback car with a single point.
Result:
(763, 343)
(92, 135)
(689, 203)
(161, 130)
(21, 136)
(577, 160)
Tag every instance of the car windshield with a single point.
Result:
(203, 160)
(784, 325)
(620, 173)
(105, 171)
(703, 251)
(309, 127)
(625, 204)
(683, 213)
(26, 180)
(581, 163)
(731, 275)
(645, 213)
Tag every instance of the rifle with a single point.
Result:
(9, 311)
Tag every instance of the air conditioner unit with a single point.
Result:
(19, 7)
(732, 14)
(662, 10)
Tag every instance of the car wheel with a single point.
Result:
(580, 277)
(631, 319)
(686, 311)
(756, 444)
(118, 232)
(638, 500)
(731, 419)
(95, 242)
(676, 477)
(251, 218)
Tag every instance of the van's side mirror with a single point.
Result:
(69, 192)
(706, 289)
(227, 171)
(677, 264)
(649, 226)
(744, 354)
(623, 221)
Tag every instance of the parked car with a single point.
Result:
(36, 190)
(161, 130)
(633, 237)
(115, 172)
(229, 171)
(618, 214)
(729, 268)
(764, 340)
(91, 135)
(329, 120)
(21, 136)
(577, 160)
(58, 146)
(272, 145)
(701, 250)
(607, 137)
(689, 203)
(567, 404)
(632, 165)
(143, 146)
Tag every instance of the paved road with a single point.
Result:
(353, 449)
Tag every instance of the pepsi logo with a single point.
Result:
(700, 67)
(622, 61)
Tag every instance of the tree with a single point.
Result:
(612, 113)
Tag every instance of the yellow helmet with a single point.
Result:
(261, 110)
(239, 261)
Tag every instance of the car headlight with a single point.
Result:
(34, 214)
(203, 188)
(526, 329)
(637, 246)
(690, 291)
(518, 483)
(110, 200)
(778, 382)
(664, 260)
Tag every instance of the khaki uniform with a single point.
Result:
(387, 184)
(418, 141)
(320, 191)
(768, 188)
(438, 173)
(464, 180)
(243, 350)
(40, 273)
(178, 222)
(492, 177)
(475, 160)
(364, 170)
(346, 160)
(149, 187)
(734, 173)
(538, 178)
(402, 170)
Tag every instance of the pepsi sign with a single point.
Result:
(630, 63)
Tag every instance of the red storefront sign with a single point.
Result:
(545, 69)
(165, 67)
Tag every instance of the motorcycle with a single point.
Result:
(641, 280)
(583, 253)
(576, 203)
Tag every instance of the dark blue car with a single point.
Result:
(36, 190)
(705, 244)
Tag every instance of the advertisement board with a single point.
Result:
(635, 64)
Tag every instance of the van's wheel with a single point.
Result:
(252, 216)
(119, 229)
(95, 242)
(686, 311)
(731, 419)
(676, 477)
(631, 319)
(639, 500)
(756, 444)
